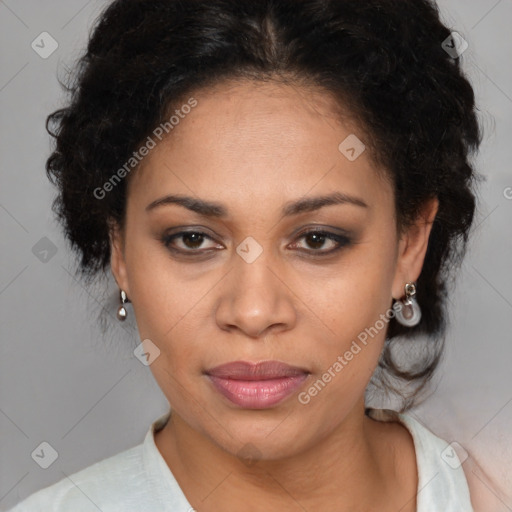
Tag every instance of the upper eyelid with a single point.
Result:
(298, 232)
(302, 230)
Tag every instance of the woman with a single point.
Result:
(281, 189)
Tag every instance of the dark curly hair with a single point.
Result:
(382, 59)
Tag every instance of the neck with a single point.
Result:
(348, 466)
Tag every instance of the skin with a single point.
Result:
(254, 148)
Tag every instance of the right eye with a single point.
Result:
(191, 242)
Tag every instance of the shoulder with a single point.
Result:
(441, 478)
(135, 480)
(487, 494)
(100, 486)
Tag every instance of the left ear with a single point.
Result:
(412, 247)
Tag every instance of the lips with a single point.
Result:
(256, 386)
(266, 370)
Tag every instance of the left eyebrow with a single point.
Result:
(213, 209)
(315, 203)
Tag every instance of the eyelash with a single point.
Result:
(341, 241)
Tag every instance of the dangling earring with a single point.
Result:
(407, 310)
(121, 312)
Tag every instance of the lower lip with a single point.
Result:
(257, 394)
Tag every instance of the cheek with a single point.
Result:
(358, 290)
(352, 305)
(355, 332)
(154, 280)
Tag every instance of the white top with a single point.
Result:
(139, 480)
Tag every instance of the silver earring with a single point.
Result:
(121, 312)
(407, 311)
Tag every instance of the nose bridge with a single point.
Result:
(254, 272)
(256, 297)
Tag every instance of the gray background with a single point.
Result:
(65, 382)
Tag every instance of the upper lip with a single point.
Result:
(264, 370)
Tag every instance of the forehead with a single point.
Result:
(257, 139)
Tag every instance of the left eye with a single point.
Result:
(317, 239)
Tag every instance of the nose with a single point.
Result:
(256, 298)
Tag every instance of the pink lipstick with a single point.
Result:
(256, 385)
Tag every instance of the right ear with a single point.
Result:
(117, 260)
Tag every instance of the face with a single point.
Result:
(257, 279)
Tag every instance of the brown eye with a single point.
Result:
(316, 239)
(191, 241)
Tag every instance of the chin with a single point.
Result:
(262, 441)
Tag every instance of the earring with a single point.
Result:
(121, 312)
(407, 310)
